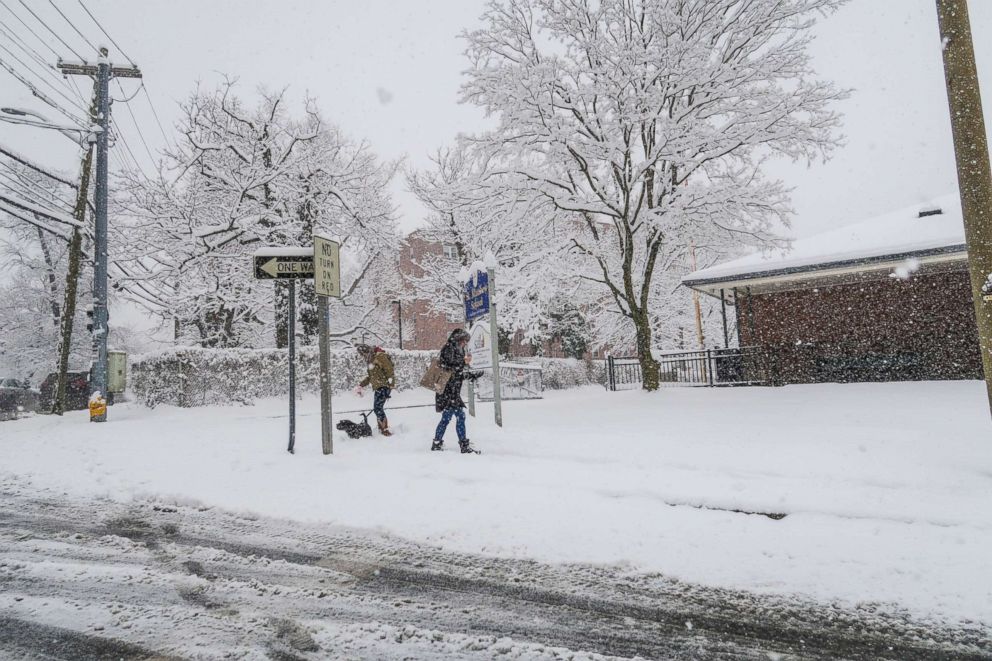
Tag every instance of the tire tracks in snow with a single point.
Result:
(223, 567)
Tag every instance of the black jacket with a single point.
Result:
(453, 360)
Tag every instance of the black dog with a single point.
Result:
(356, 429)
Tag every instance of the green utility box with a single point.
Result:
(116, 371)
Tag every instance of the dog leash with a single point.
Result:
(389, 408)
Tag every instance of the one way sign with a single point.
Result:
(284, 263)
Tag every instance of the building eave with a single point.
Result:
(776, 278)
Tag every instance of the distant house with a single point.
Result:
(888, 298)
(424, 328)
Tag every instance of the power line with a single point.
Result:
(23, 160)
(116, 45)
(24, 46)
(88, 42)
(28, 195)
(31, 187)
(134, 120)
(155, 113)
(126, 99)
(57, 90)
(28, 28)
(54, 33)
(22, 177)
(41, 95)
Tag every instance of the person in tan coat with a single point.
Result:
(381, 378)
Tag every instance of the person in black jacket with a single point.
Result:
(449, 402)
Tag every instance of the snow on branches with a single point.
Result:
(244, 177)
(649, 124)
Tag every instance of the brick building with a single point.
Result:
(423, 328)
(885, 299)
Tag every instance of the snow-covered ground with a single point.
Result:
(886, 488)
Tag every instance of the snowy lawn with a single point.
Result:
(886, 488)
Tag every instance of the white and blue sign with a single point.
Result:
(477, 296)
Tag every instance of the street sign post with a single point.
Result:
(479, 301)
(327, 281)
(292, 264)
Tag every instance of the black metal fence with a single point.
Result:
(745, 366)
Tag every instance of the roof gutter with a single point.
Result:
(826, 269)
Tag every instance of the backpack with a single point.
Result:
(436, 377)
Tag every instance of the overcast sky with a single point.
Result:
(389, 72)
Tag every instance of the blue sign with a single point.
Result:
(477, 296)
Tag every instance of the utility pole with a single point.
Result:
(72, 274)
(72, 284)
(103, 71)
(971, 154)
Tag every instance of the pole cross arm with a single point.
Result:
(87, 69)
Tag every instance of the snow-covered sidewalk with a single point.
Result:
(886, 488)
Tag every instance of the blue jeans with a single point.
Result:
(442, 426)
(379, 403)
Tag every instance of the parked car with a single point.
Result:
(17, 397)
(77, 391)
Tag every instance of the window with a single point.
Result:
(450, 250)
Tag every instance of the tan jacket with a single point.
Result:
(381, 372)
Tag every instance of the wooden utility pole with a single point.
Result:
(972, 156)
(72, 281)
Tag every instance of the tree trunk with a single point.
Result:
(649, 366)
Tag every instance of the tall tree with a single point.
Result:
(488, 217)
(650, 120)
(243, 178)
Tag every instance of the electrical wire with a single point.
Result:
(25, 194)
(154, 113)
(41, 95)
(134, 120)
(54, 33)
(57, 90)
(130, 61)
(34, 188)
(28, 28)
(88, 42)
(128, 99)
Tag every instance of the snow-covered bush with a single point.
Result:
(564, 373)
(193, 376)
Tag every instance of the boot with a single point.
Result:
(467, 448)
(437, 445)
(384, 427)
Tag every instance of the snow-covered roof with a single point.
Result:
(912, 231)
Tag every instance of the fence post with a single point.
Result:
(611, 383)
(709, 365)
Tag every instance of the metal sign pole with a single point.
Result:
(326, 428)
(292, 365)
(494, 341)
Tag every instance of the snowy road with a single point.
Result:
(99, 579)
